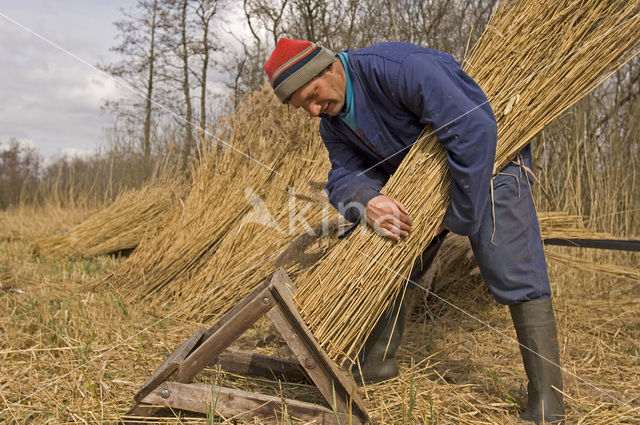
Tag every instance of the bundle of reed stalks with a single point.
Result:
(587, 265)
(566, 226)
(533, 61)
(236, 216)
(135, 215)
(246, 255)
(553, 222)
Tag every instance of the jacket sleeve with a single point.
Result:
(442, 95)
(351, 184)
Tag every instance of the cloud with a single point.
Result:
(51, 98)
(46, 95)
(75, 152)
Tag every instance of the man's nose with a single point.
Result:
(314, 109)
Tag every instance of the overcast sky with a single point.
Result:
(49, 99)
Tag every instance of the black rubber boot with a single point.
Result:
(377, 357)
(536, 329)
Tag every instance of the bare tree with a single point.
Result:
(150, 76)
(205, 11)
(328, 22)
(190, 43)
(138, 46)
(236, 68)
(266, 20)
(184, 55)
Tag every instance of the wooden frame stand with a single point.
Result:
(170, 385)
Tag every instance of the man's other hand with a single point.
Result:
(388, 217)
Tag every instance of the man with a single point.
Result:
(373, 104)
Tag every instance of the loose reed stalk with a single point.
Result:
(533, 61)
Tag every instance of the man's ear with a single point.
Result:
(332, 67)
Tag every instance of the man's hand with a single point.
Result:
(388, 217)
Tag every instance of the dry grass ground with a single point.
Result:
(72, 355)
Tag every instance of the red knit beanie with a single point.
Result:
(293, 63)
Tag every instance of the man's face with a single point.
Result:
(324, 94)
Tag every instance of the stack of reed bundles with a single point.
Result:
(533, 61)
(245, 256)
(219, 238)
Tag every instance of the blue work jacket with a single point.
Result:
(399, 89)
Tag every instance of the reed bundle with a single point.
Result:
(236, 214)
(585, 265)
(246, 254)
(533, 61)
(565, 226)
(244, 257)
(132, 217)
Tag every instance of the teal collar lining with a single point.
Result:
(348, 114)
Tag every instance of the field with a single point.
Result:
(71, 353)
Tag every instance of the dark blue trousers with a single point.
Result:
(508, 246)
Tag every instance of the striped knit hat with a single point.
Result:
(293, 63)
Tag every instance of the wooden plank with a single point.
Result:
(230, 329)
(253, 364)
(283, 280)
(235, 309)
(136, 413)
(327, 376)
(169, 365)
(238, 404)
